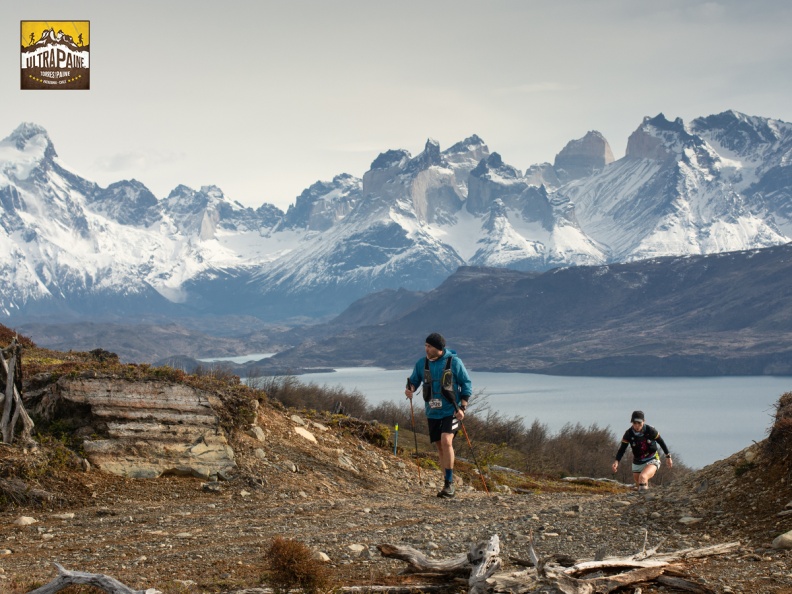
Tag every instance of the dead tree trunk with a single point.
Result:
(67, 578)
(13, 407)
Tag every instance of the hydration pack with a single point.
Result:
(446, 382)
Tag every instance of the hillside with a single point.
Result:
(184, 534)
(723, 314)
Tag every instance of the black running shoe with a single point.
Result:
(448, 491)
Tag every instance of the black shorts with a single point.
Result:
(444, 425)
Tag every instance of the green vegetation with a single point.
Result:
(742, 468)
(502, 444)
(498, 441)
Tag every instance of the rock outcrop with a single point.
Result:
(141, 429)
(580, 158)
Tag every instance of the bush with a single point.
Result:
(498, 440)
(779, 440)
(292, 393)
(291, 564)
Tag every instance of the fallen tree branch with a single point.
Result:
(419, 563)
(68, 578)
(547, 576)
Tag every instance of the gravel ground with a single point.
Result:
(180, 534)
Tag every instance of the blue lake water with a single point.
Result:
(701, 419)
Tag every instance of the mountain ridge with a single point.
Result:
(723, 314)
(721, 183)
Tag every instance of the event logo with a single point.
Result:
(56, 54)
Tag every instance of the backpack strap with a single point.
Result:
(447, 384)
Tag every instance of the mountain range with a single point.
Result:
(74, 251)
(711, 315)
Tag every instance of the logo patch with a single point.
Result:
(56, 55)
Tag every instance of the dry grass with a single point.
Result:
(290, 564)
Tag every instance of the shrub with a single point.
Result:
(291, 564)
(575, 450)
(779, 440)
(292, 393)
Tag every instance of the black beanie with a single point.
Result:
(436, 340)
(637, 415)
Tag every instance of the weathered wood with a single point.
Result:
(482, 561)
(548, 577)
(12, 399)
(484, 558)
(403, 589)
(419, 563)
(8, 400)
(710, 551)
(683, 584)
(67, 578)
(601, 585)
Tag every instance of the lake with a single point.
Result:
(701, 419)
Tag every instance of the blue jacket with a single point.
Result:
(439, 407)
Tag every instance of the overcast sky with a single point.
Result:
(264, 98)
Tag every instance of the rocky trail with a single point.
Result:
(342, 496)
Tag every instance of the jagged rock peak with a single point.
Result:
(581, 157)
(494, 162)
(213, 192)
(26, 132)
(658, 139)
(319, 188)
(471, 143)
(662, 123)
(181, 190)
(204, 196)
(432, 151)
(430, 157)
(738, 131)
(323, 204)
(391, 158)
(130, 189)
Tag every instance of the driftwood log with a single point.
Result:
(479, 563)
(67, 578)
(547, 576)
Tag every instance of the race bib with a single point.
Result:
(435, 403)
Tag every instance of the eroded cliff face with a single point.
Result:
(141, 429)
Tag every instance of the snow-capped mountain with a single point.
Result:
(679, 190)
(719, 183)
(67, 245)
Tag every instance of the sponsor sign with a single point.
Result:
(56, 55)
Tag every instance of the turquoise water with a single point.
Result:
(701, 419)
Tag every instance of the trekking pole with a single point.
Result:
(415, 435)
(470, 445)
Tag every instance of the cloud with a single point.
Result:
(535, 88)
(135, 160)
(357, 147)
